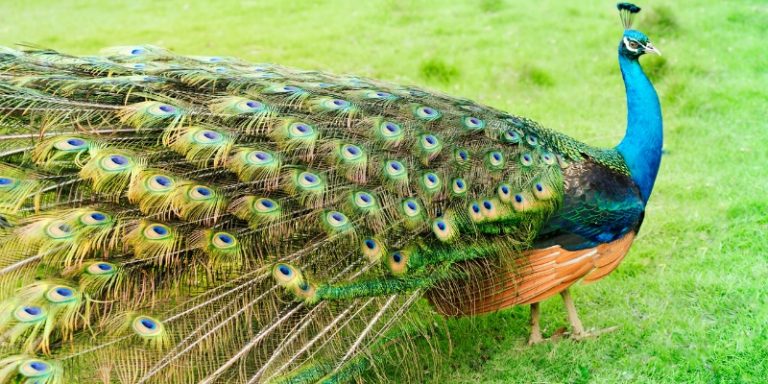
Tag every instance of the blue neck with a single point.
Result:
(641, 146)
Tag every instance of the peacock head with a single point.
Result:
(634, 43)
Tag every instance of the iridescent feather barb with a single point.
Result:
(167, 218)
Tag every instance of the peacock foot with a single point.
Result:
(583, 335)
(536, 338)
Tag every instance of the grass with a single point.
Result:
(690, 300)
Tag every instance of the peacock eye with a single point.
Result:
(633, 44)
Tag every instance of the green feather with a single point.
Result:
(110, 170)
(256, 165)
(202, 145)
(198, 202)
(16, 186)
(258, 211)
(153, 242)
(151, 114)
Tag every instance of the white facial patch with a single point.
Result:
(627, 45)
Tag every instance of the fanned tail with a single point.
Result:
(201, 219)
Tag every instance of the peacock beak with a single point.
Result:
(649, 48)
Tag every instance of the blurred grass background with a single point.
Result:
(690, 300)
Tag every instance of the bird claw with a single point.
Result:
(536, 339)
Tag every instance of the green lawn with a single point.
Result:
(690, 299)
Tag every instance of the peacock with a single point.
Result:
(179, 219)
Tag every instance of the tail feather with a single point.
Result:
(201, 219)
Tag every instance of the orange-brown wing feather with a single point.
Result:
(538, 275)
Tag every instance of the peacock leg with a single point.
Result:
(535, 337)
(577, 330)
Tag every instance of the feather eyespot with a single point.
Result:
(430, 142)
(35, 369)
(201, 193)
(284, 89)
(61, 294)
(364, 200)
(487, 205)
(286, 275)
(162, 110)
(521, 203)
(308, 180)
(372, 249)
(58, 230)
(265, 205)
(72, 144)
(532, 140)
(526, 159)
(459, 186)
(351, 152)
(548, 158)
(461, 156)
(159, 183)
(541, 191)
(389, 129)
(379, 95)
(335, 104)
(305, 290)
(94, 218)
(116, 163)
(475, 212)
(250, 106)
(427, 113)
(284, 270)
(29, 313)
(8, 182)
(300, 130)
(336, 219)
(207, 136)
(223, 240)
(398, 262)
(472, 123)
(511, 136)
(505, 193)
(259, 157)
(146, 326)
(394, 168)
(157, 232)
(431, 181)
(100, 269)
(443, 230)
(495, 160)
(411, 208)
